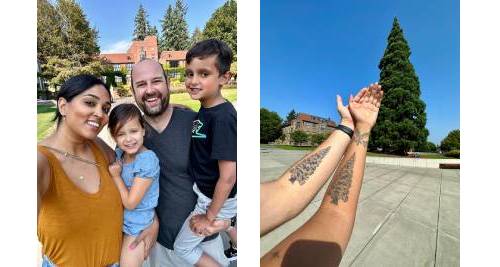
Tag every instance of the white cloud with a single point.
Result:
(118, 47)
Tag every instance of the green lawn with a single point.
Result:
(185, 99)
(46, 113)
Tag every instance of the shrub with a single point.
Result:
(453, 153)
(123, 91)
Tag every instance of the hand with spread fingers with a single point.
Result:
(365, 105)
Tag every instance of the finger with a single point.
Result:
(339, 102)
(147, 250)
(351, 98)
(360, 94)
(136, 241)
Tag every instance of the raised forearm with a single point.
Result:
(343, 191)
(287, 196)
(325, 236)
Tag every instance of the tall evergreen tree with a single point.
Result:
(153, 31)
(80, 40)
(402, 118)
(141, 24)
(174, 32)
(196, 37)
(222, 25)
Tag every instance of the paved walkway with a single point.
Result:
(406, 216)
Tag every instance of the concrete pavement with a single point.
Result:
(407, 216)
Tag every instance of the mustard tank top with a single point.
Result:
(78, 228)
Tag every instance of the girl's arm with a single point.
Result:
(133, 197)
(285, 197)
(322, 240)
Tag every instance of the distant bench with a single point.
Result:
(449, 165)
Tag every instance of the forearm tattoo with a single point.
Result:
(342, 181)
(361, 138)
(304, 169)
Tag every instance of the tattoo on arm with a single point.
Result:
(342, 182)
(361, 138)
(304, 169)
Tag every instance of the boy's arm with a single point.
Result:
(227, 179)
(132, 198)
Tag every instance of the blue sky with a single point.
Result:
(313, 50)
(115, 19)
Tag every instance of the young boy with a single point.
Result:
(213, 149)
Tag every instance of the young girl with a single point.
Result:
(136, 174)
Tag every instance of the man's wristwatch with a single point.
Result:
(345, 129)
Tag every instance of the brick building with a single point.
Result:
(173, 58)
(307, 123)
(148, 48)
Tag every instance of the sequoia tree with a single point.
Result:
(401, 121)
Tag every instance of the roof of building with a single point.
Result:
(117, 58)
(315, 119)
(149, 45)
(172, 55)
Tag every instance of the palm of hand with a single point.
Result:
(364, 112)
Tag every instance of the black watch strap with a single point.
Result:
(345, 129)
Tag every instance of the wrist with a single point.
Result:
(363, 128)
(209, 216)
(348, 123)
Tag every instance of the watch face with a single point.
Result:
(233, 221)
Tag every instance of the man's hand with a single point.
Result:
(149, 236)
(365, 105)
(199, 223)
(115, 169)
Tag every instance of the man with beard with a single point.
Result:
(168, 134)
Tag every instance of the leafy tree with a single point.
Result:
(451, 141)
(58, 70)
(196, 37)
(402, 118)
(270, 126)
(317, 139)
(80, 40)
(174, 28)
(142, 27)
(291, 116)
(50, 38)
(299, 137)
(222, 25)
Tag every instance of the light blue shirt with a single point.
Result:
(146, 165)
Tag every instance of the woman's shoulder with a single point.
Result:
(106, 149)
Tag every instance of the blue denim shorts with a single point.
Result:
(47, 263)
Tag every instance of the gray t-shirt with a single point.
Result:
(177, 198)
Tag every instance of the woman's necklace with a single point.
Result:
(73, 156)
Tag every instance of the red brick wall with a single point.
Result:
(150, 46)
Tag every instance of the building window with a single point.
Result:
(129, 67)
(174, 63)
(297, 124)
(116, 67)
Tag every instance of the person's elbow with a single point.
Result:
(131, 204)
(228, 179)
